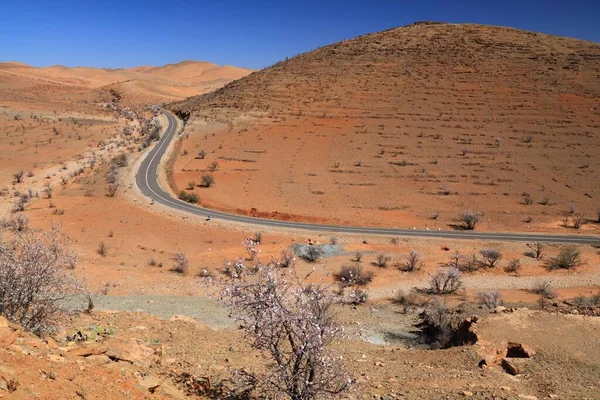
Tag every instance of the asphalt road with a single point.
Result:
(147, 181)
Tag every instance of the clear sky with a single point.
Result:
(248, 33)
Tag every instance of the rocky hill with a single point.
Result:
(394, 72)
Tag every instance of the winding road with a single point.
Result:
(147, 181)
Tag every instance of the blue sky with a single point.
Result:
(246, 33)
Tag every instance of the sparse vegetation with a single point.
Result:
(469, 219)
(181, 263)
(354, 275)
(490, 299)
(413, 262)
(568, 258)
(33, 281)
(536, 250)
(513, 267)
(18, 176)
(490, 257)
(382, 260)
(446, 281)
(102, 249)
(312, 253)
(188, 197)
(112, 189)
(207, 180)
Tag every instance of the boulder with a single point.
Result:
(510, 366)
(518, 350)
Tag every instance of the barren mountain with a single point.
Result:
(397, 126)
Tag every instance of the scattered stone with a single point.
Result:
(510, 367)
(517, 350)
(467, 393)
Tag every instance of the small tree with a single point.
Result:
(414, 262)
(287, 259)
(17, 222)
(490, 299)
(112, 189)
(537, 250)
(207, 180)
(311, 253)
(382, 260)
(546, 292)
(513, 267)
(33, 281)
(446, 281)
(568, 258)
(469, 219)
(291, 325)
(490, 257)
(18, 176)
(181, 265)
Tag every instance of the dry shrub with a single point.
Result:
(491, 299)
(490, 257)
(446, 281)
(469, 219)
(33, 279)
(354, 275)
(568, 258)
(182, 263)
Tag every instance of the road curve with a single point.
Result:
(147, 181)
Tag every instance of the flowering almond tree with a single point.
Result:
(291, 324)
(33, 281)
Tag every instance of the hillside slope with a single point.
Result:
(397, 126)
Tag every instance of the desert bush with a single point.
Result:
(528, 138)
(568, 258)
(446, 191)
(47, 191)
(382, 260)
(545, 291)
(491, 299)
(112, 176)
(119, 160)
(578, 220)
(287, 259)
(112, 189)
(292, 327)
(257, 237)
(490, 257)
(191, 185)
(21, 203)
(207, 180)
(354, 275)
(18, 176)
(201, 154)
(358, 256)
(181, 263)
(33, 281)
(213, 166)
(358, 296)
(102, 249)
(572, 208)
(528, 200)
(312, 253)
(598, 215)
(17, 222)
(469, 219)
(188, 197)
(536, 250)
(446, 281)
(413, 262)
(513, 267)
(545, 201)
